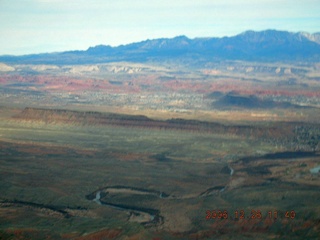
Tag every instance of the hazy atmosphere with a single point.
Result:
(159, 120)
(34, 26)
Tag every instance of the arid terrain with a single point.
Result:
(160, 151)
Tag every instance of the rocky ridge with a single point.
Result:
(268, 45)
(297, 135)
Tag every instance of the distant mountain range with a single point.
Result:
(269, 45)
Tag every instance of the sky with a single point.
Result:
(39, 26)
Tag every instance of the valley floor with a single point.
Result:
(125, 181)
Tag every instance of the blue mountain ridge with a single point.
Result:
(268, 45)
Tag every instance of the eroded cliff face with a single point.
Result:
(77, 118)
(53, 116)
(278, 133)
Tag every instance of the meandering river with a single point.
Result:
(145, 215)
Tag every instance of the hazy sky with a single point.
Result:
(33, 26)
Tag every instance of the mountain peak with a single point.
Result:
(311, 37)
(99, 49)
(181, 37)
(266, 35)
